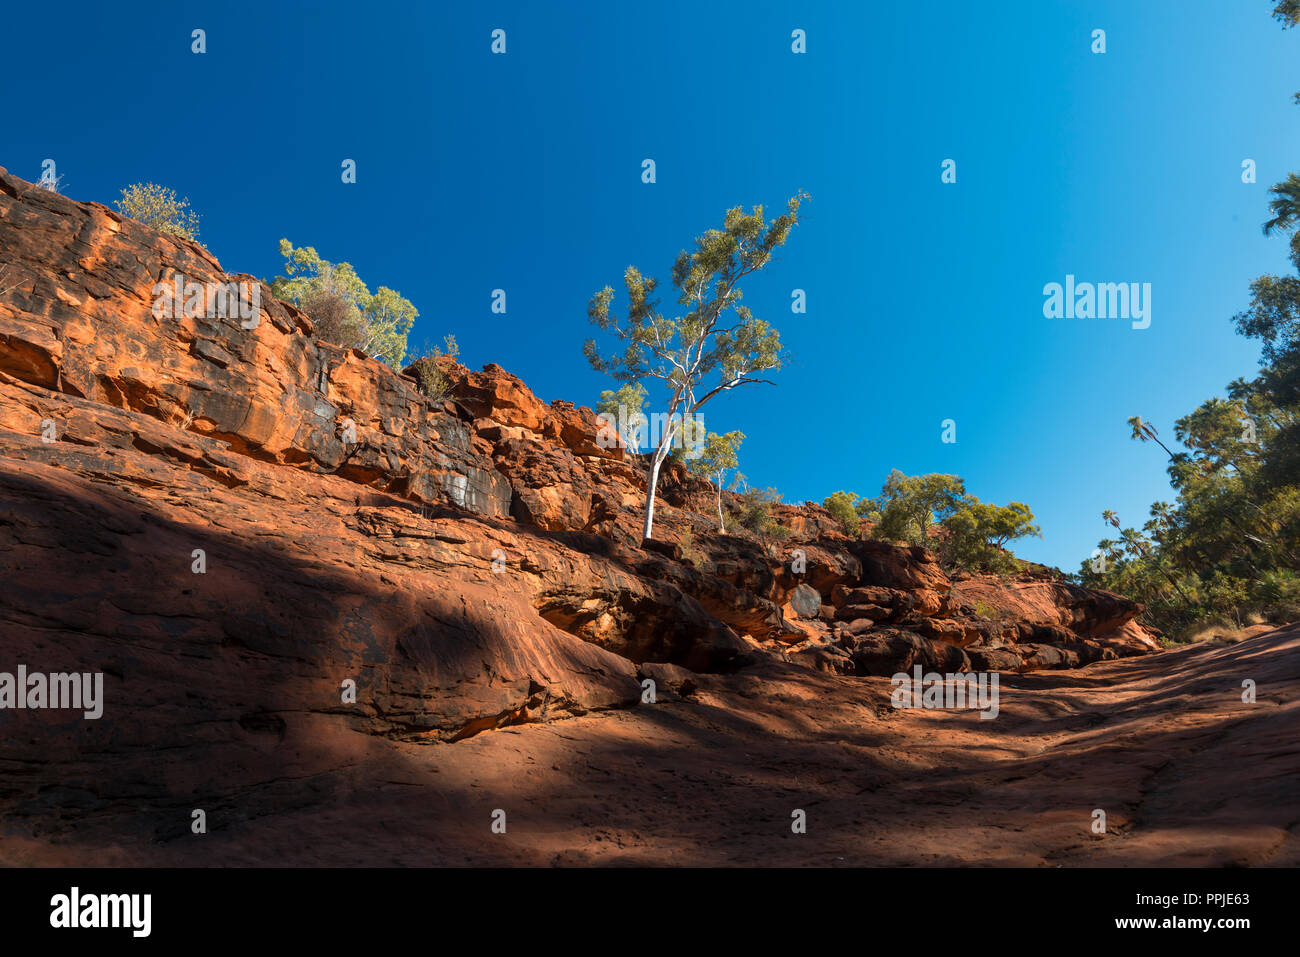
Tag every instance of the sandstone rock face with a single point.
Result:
(81, 321)
(237, 523)
(1102, 617)
(300, 588)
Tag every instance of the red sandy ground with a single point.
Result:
(1186, 772)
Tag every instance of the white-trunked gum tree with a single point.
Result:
(714, 346)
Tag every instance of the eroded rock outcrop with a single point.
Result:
(469, 564)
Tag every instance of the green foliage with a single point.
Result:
(1236, 523)
(1287, 13)
(935, 511)
(977, 535)
(431, 364)
(720, 455)
(714, 344)
(909, 505)
(841, 506)
(756, 514)
(1272, 317)
(157, 207)
(624, 407)
(1285, 205)
(342, 308)
(1277, 592)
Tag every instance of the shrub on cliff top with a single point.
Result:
(431, 368)
(158, 208)
(977, 534)
(841, 507)
(756, 515)
(936, 511)
(909, 504)
(342, 308)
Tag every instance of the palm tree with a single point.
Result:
(1146, 432)
(1286, 207)
(1137, 545)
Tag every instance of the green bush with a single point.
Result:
(158, 208)
(341, 307)
(430, 365)
(756, 515)
(841, 507)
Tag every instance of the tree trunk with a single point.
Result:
(652, 483)
(722, 522)
(652, 480)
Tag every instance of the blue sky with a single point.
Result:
(523, 172)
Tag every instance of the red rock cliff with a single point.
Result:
(468, 565)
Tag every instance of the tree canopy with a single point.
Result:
(719, 455)
(936, 511)
(713, 343)
(342, 308)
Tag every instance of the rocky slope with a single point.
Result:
(237, 523)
